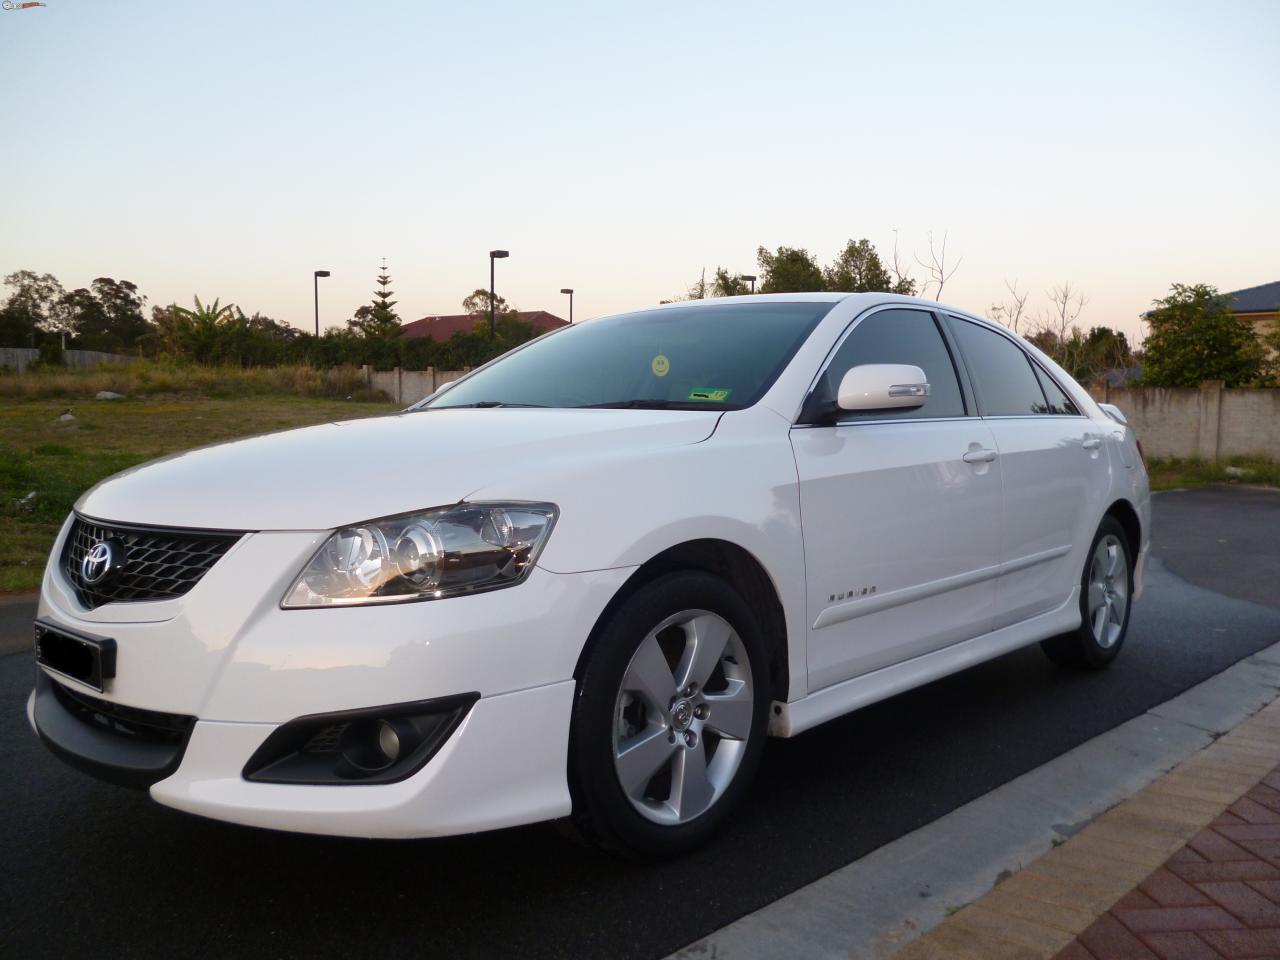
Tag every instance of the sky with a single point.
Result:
(228, 150)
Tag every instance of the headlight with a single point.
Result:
(465, 548)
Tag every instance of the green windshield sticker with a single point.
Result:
(709, 394)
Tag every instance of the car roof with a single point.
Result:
(869, 299)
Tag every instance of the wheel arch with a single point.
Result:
(741, 570)
(1125, 514)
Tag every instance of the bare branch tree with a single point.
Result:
(1011, 312)
(902, 281)
(1066, 304)
(937, 267)
(1057, 335)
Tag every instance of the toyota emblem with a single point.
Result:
(98, 562)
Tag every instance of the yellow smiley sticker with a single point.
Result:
(660, 365)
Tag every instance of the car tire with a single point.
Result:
(676, 680)
(1106, 600)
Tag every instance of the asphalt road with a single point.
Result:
(87, 869)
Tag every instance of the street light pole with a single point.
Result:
(747, 276)
(569, 291)
(493, 306)
(315, 289)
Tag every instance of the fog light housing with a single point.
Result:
(367, 746)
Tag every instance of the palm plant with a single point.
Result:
(199, 330)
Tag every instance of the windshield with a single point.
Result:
(716, 357)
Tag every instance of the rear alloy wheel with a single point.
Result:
(1105, 590)
(670, 717)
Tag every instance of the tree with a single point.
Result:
(1086, 356)
(789, 270)
(937, 267)
(699, 289)
(1065, 306)
(81, 316)
(1271, 345)
(31, 307)
(726, 284)
(107, 318)
(122, 305)
(859, 269)
(1010, 313)
(378, 319)
(902, 282)
(197, 331)
(477, 305)
(1195, 336)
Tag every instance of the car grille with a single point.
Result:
(158, 563)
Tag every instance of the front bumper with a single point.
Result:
(229, 659)
(134, 748)
(504, 766)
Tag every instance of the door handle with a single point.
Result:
(979, 456)
(1091, 443)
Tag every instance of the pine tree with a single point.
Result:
(378, 319)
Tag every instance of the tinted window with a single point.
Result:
(1059, 402)
(716, 356)
(901, 336)
(1001, 373)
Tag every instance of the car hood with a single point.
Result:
(337, 474)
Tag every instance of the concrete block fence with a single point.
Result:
(1208, 421)
(409, 386)
(19, 358)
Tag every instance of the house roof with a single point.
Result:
(1261, 299)
(440, 328)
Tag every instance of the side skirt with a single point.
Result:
(788, 719)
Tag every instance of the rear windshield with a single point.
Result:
(712, 356)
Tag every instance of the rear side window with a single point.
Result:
(1002, 374)
(902, 336)
(1059, 403)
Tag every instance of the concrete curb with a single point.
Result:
(878, 905)
(1043, 908)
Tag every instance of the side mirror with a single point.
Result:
(883, 386)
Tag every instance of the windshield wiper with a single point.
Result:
(483, 405)
(654, 405)
(630, 405)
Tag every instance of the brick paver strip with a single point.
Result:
(1187, 869)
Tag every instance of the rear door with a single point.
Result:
(1053, 465)
(900, 510)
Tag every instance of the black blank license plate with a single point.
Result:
(80, 656)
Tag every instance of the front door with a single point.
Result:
(900, 511)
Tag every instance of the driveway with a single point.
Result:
(89, 868)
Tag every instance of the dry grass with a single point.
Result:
(46, 463)
(1175, 474)
(148, 378)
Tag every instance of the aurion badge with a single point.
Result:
(98, 562)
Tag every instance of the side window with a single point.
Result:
(902, 336)
(1001, 372)
(1059, 402)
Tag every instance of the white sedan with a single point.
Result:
(587, 580)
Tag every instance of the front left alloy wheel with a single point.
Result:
(670, 717)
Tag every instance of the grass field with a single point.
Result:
(1172, 474)
(46, 463)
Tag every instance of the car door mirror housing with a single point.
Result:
(882, 386)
